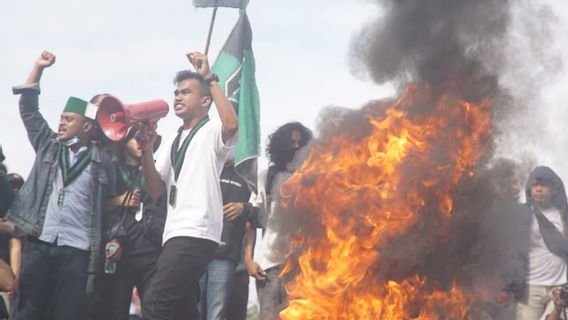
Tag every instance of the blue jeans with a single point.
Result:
(52, 277)
(215, 287)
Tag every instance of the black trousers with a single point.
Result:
(174, 289)
(109, 296)
(52, 283)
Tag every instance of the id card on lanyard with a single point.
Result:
(178, 156)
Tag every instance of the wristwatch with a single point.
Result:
(214, 77)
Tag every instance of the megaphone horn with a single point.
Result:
(115, 117)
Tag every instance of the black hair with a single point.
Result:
(278, 147)
(15, 180)
(97, 96)
(187, 75)
(548, 177)
(279, 150)
(97, 133)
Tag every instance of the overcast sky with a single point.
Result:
(132, 49)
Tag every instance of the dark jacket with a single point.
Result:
(6, 195)
(137, 238)
(28, 210)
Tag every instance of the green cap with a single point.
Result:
(81, 107)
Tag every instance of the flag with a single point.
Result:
(220, 3)
(235, 67)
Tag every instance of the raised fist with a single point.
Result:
(200, 63)
(46, 59)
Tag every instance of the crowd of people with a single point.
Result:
(104, 230)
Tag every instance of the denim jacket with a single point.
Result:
(28, 210)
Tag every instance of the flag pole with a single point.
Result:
(210, 30)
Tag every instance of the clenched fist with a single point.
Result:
(46, 59)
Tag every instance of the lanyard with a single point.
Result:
(70, 173)
(177, 156)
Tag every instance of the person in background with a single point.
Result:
(135, 232)
(217, 281)
(239, 294)
(285, 147)
(560, 304)
(548, 245)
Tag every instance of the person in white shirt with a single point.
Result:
(188, 169)
(548, 246)
(287, 148)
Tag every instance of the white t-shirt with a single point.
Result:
(198, 211)
(545, 268)
(273, 247)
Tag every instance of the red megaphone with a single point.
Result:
(115, 117)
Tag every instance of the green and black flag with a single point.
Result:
(220, 3)
(235, 67)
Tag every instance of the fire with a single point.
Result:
(365, 190)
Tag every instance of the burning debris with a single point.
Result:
(394, 200)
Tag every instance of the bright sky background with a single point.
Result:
(132, 49)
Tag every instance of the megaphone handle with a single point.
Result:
(143, 143)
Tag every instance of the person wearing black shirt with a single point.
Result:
(215, 284)
(135, 228)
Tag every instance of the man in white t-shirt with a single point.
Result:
(547, 267)
(188, 169)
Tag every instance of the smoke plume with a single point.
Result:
(449, 48)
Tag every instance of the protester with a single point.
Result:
(284, 147)
(136, 233)
(189, 172)
(560, 304)
(6, 194)
(13, 247)
(548, 250)
(59, 206)
(216, 282)
(239, 291)
(8, 280)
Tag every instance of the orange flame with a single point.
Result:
(363, 193)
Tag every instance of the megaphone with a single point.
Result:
(115, 117)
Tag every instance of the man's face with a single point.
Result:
(188, 102)
(70, 124)
(295, 144)
(133, 149)
(541, 193)
(295, 140)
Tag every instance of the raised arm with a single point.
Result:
(225, 109)
(36, 126)
(45, 60)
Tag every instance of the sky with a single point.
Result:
(132, 49)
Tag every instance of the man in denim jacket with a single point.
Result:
(59, 206)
